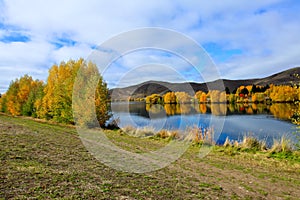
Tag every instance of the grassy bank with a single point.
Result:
(43, 160)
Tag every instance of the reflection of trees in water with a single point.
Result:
(155, 108)
(170, 109)
(218, 109)
(173, 109)
(283, 111)
(203, 108)
(185, 108)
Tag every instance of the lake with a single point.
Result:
(265, 122)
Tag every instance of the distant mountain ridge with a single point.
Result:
(159, 87)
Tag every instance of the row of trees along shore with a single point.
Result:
(243, 94)
(53, 100)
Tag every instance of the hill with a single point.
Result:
(159, 87)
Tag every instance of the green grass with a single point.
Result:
(44, 161)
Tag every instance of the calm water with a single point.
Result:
(265, 122)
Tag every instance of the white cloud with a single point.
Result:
(266, 32)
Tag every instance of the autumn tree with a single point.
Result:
(258, 97)
(214, 95)
(3, 101)
(90, 97)
(182, 97)
(282, 93)
(201, 96)
(153, 99)
(18, 96)
(232, 98)
(169, 98)
(12, 103)
(57, 102)
(36, 93)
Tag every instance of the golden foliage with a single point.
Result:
(183, 97)
(283, 93)
(29, 97)
(169, 98)
(153, 98)
(17, 99)
(90, 106)
(218, 96)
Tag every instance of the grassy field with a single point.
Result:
(41, 160)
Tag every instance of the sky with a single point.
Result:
(244, 39)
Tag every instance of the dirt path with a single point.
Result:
(43, 160)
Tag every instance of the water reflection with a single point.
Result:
(282, 111)
(178, 109)
(261, 120)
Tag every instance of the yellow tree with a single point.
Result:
(222, 97)
(90, 100)
(198, 95)
(215, 95)
(57, 102)
(153, 99)
(18, 94)
(203, 98)
(283, 93)
(12, 104)
(36, 93)
(169, 98)
(182, 97)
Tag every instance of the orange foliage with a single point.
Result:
(169, 98)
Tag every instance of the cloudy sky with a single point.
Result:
(245, 39)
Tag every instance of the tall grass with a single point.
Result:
(200, 135)
(282, 145)
(282, 148)
(139, 132)
(248, 143)
(173, 134)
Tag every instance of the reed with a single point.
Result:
(282, 145)
(199, 135)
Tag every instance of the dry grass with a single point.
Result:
(227, 143)
(139, 132)
(283, 145)
(248, 143)
(172, 134)
(200, 135)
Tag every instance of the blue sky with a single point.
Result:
(245, 39)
